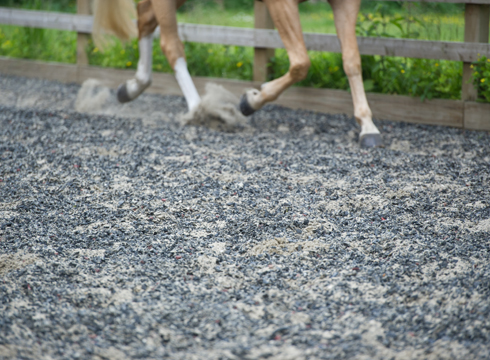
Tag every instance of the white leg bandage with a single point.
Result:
(143, 75)
(186, 84)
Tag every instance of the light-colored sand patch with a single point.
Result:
(88, 252)
(285, 352)
(483, 225)
(198, 233)
(207, 263)
(121, 296)
(400, 145)
(218, 247)
(282, 246)
(283, 128)
(9, 263)
(110, 353)
(255, 312)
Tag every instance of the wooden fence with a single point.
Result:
(465, 113)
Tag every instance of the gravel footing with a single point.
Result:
(124, 235)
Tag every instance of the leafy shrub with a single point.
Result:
(39, 44)
(52, 5)
(232, 62)
(481, 78)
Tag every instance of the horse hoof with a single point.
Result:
(370, 141)
(245, 107)
(122, 94)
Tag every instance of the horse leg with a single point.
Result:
(285, 15)
(173, 48)
(147, 24)
(345, 15)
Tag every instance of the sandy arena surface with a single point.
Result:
(124, 235)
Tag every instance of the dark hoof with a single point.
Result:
(370, 140)
(245, 107)
(122, 94)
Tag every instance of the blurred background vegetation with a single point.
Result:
(390, 75)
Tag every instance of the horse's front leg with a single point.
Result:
(149, 17)
(345, 15)
(285, 15)
(147, 24)
(173, 48)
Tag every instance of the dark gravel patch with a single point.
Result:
(135, 238)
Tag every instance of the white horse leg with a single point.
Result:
(345, 15)
(147, 24)
(186, 84)
(285, 15)
(134, 87)
(172, 47)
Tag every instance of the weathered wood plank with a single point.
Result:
(477, 19)
(413, 110)
(262, 38)
(211, 34)
(390, 107)
(476, 116)
(65, 73)
(46, 20)
(386, 107)
(262, 56)
(83, 8)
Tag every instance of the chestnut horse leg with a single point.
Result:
(285, 15)
(147, 23)
(345, 15)
(173, 48)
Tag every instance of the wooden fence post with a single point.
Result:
(262, 20)
(476, 25)
(83, 8)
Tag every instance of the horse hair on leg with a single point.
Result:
(186, 84)
(345, 16)
(133, 88)
(147, 23)
(285, 14)
(173, 48)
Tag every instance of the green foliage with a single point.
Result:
(230, 62)
(417, 77)
(481, 78)
(326, 70)
(46, 5)
(423, 78)
(39, 44)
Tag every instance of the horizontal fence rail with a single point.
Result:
(262, 38)
(46, 20)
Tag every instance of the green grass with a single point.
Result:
(416, 77)
(38, 44)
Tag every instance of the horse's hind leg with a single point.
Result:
(285, 15)
(147, 24)
(345, 15)
(173, 48)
